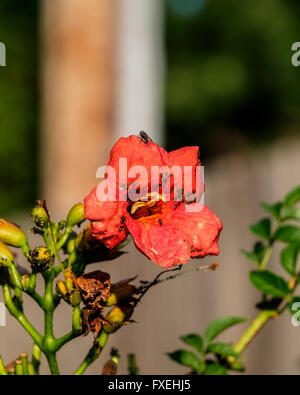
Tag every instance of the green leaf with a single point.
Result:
(219, 325)
(290, 213)
(293, 196)
(262, 228)
(273, 209)
(269, 283)
(288, 234)
(193, 340)
(224, 349)
(186, 358)
(238, 366)
(288, 258)
(214, 369)
(250, 255)
(257, 254)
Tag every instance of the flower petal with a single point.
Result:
(192, 184)
(186, 156)
(106, 219)
(137, 153)
(164, 245)
(203, 228)
(180, 236)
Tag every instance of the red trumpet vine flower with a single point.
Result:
(166, 220)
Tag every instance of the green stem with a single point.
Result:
(132, 365)
(266, 257)
(76, 320)
(31, 370)
(56, 249)
(19, 298)
(30, 290)
(93, 354)
(36, 358)
(49, 341)
(15, 276)
(52, 362)
(256, 325)
(19, 368)
(64, 237)
(24, 359)
(48, 319)
(61, 341)
(3, 371)
(48, 242)
(76, 329)
(68, 262)
(15, 312)
(26, 249)
(32, 283)
(36, 297)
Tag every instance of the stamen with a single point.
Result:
(140, 204)
(148, 210)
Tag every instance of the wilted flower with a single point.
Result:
(111, 366)
(90, 249)
(94, 288)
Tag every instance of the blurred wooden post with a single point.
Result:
(141, 68)
(78, 46)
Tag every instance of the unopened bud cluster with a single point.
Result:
(41, 259)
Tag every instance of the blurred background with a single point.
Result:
(212, 73)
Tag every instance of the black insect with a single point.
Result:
(144, 136)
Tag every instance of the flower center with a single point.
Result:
(147, 210)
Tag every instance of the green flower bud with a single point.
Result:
(75, 298)
(117, 317)
(41, 259)
(69, 291)
(39, 216)
(61, 288)
(25, 279)
(12, 235)
(72, 297)
(119, 293)
(6, 256)
(76, 215)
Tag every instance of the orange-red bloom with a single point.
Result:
(161, 228)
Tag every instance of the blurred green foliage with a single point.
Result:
(230, 81)
(18, 104)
